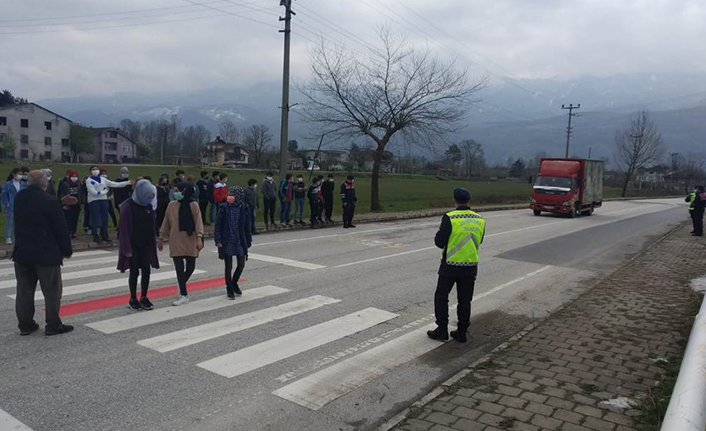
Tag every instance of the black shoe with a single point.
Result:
(237, 291)
(255, 232)
(351, 225)
(134, 304)
(459, 335)
(61, 329)
(97, 239)
(30, 330)
(345, 226)
(146, 303)
(105, 237)
(441, 334)
(230, 294)
(697, 234)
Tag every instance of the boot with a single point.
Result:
(460, 334)
(97, 239)
(441, 333)
(104, 235)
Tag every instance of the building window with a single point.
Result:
(47, 155)
(47, 125)
(111, 146)
(127, 149)
(24, 139)
(47, 140)
(24, 154)
(113, 135)
(3, 121)
(2, 137)
(64, 142)
(24, 123)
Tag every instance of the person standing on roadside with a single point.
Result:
(349, 200)
(299, 196)
(286, 194)
(233, 237)
(111, 209)
(697, 205)
(43, 242)
(327, 189)
(460, 235)
(69, 196)
(202, 186)
(220, 190)
(314, 202)
(121, 195)
(98, 187)
(269, 199)
(15, 183)
(253, 203)
(51, 185)
(211, 186)
(183, 227)
(137, 250)
(163, 189)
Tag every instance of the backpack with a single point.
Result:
(220, 193)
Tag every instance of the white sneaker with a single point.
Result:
(181, 300)
(8, 241)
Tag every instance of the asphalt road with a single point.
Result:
(328, 335)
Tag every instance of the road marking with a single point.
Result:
(105, 285)
(132, 321)
(75, 255)
(75, 275)
(384, 257)
(266, 353)
(8, 423)
(197, 334)
(287, 262)
(71, 264)
(510, 283)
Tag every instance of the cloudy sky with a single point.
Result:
(53, 48)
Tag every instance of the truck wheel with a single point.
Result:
(575, 212)
(588, 212)
(537, 212)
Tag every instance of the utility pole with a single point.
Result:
(284, 137)
(571, 108)
(589, 152)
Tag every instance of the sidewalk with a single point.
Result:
(588, 366)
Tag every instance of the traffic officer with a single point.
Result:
(697, 204)
(460, 235)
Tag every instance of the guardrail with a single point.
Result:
(687, 406)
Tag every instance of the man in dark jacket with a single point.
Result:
(43, 242)
(269, 199)
(253, 202)
(697, 205)
(202, 186)
(349, 199)
(123, 194)
(327, 192)
(211, 186)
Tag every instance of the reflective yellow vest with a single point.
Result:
(467, 231)
(692, 201)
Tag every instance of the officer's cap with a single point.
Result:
(462, 195)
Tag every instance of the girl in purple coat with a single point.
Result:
(233, 237)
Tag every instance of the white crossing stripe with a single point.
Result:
(110, 270)
(73, 264)
(197, 334)
(75, 255)
(266, 353)
(287, 262)
(8, 423)
(105, 285)
(132, 321)
(318, 389)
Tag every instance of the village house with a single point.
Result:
(39, 133)
(220, 152)
(327, 160)
(111, 146)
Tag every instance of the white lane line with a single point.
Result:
(387, 256)
(209, 331)
(318, 389)
(75, 255)
(8, 423)
(105, 285)
(110, 270)
(257, 356)
(72, 264)
(131, 321)
(287, 262)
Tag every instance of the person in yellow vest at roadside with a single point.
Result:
(460, 236)
(697, 203)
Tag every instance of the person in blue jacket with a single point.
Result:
(16, 182)
(233, 237)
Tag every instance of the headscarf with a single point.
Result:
(239, 194)
(47, 172)
(186, 217)
(124, 170)
(70, 175)
(143, 190)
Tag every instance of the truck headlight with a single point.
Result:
(534, 201)
(567, 203)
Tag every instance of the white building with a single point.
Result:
(40, 134)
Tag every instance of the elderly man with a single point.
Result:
(42, 243)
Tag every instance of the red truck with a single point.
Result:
(568, 186)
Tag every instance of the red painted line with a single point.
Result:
(122, 300)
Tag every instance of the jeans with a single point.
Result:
(253, 221)
(285, 210)
(315, 211)
(99, 216)
(9, 224)
(298, 209)
(139, 263)
(49, 277)
(213, 211)
(184, 272)
(269, 209)
(233, 277)
(464, 288)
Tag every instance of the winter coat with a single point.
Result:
(125, 239)
(51, 187)
(98, 190)
(299, 190)
(286, 190)
(9, 192)
(269, 189)
(236, 242)
(180, 243)
(327, 190)
(220, 192)
(121, 195)
(66, 189)
(41, 233)
(348, 193)
(202, 187)
(251, 198)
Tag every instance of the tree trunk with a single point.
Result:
(625, 185)
(375, 181)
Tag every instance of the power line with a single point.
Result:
(569, 129)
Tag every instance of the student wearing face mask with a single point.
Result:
(211, 185)
(138, 242)
(299, 196)
(233, 237)
(111, 209)
(15, 183)
(183, 227)
(202, 187)
(25, 173)
(253, 203)
(163, 190)
(121, 195)
(51, 184)
(69, 195)
(269, 199)
(327, 193)
(98, 187)
(220, 190)
(84, 205)
(314, 202)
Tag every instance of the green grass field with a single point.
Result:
(397, 192)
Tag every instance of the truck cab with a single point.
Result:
(568, 186)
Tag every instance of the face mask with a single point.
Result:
(95, 172)
(224, 181)
(254, 187)
(18, 177)
(181, 177)
(330, 180)
(231, 199)
(269, 178)
(147, 199)
(23, 177)
(125, 176)
(74, 179)
(301, 180)
(165, 182)
(178, 196)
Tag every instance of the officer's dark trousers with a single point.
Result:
(697, 218)
(49, 277)
(464, 288)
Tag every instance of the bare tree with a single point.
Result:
(228, 131)
(256, 142)
(638, 145)
(390, 89)
(473, 154)
(132, 129)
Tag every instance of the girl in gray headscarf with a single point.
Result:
(138, 241)
(233, 237)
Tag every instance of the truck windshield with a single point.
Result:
(554, 182)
